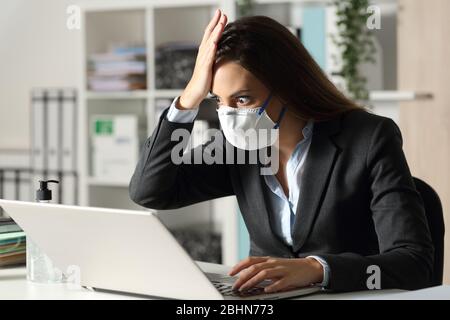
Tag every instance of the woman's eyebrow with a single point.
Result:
(233, 95)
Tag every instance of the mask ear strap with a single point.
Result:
(282, 112)
(264, 106)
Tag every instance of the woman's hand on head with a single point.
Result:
(285, 274)
(200, 83)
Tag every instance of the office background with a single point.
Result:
(41, 57)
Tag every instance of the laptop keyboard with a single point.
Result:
(224, 284)
(227, 290)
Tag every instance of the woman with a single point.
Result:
(342, 202)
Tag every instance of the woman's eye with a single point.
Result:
(243, 99)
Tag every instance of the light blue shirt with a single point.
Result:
(282, 208)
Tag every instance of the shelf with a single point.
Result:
(168, 93)
(138, 94)
(100, 5)
(397, 96)
(185, 3)
(107, 182)
(306, 2)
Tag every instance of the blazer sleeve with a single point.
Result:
(159, 183)
(406, 251)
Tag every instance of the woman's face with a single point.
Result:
(234, 86)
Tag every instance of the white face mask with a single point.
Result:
(249, 128)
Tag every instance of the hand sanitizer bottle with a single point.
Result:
(39, 266)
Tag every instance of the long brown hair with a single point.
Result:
(278, 59)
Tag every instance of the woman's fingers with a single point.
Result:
(209, 55)
(212, 34)
(212, 43)
(262, 275)
(247, 274)
(286, 273)
(250, 272)
(246, 263)
(200, 82)
(215, 36)
(211, 25)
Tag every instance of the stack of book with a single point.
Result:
(120, 69)
(12, 243)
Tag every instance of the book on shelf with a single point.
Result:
(118, 68)
(123, 68)
(138, 50)
(116, 83)
(8, 225)
(111, 56)
(12, 248)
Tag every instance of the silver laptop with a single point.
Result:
(125, 251)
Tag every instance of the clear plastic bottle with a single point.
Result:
(40, 268)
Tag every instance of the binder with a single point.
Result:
(38, 124)
(14, 184)
(69, 133)
(53, 142)
(54, 129)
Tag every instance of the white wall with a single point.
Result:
(36, 50)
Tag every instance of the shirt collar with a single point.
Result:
(307, 133)
(308, 129)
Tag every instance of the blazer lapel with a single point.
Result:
(320, 160)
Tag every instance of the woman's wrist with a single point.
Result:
(187, 103)
(316, 270)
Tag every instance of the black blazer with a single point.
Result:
(358, 204)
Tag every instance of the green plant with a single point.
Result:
(245, 7)
(355, 43)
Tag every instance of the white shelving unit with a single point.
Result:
(398, 96)
(151, 23)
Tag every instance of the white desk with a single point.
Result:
(13, 285)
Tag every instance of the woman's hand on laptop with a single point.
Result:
(285, 274)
